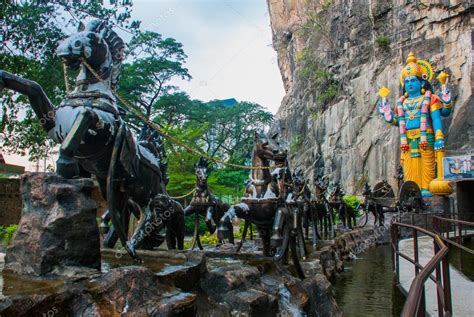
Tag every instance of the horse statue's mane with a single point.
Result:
(115, 44)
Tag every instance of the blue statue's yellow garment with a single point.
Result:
(418, 163)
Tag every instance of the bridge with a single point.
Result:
(420, 259)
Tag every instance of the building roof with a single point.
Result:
(229, 102)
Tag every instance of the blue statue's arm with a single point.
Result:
(438, 128)
(388, 114)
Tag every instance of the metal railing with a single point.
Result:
(444, 226)
(415, 303)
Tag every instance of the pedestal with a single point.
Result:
(58, 227)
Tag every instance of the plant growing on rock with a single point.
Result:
(383, 41)
(6, 233)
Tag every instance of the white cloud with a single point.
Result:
(228, 44)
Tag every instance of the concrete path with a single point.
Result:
(462, 289)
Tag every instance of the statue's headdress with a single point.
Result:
(416, 67)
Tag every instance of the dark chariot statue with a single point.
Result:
(345, 212)
(269, 203)
(206, 204)
(320, 205)
(94, 139)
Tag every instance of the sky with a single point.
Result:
(229, 48)
(228, 43)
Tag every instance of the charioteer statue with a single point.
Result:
(418, 115)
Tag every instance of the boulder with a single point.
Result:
(219, 281)
(187, 275)
(58, 227)
(131, 290)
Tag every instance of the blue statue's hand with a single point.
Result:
(439, 144)
(446, 96)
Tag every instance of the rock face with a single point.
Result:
(335, 55)
(58, 227)
(134, 291)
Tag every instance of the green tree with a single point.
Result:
(156, 61)
(30, 33)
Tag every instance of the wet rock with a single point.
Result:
(321, 296)
(132, 290)
(187, 275)
(219, 281)
(138, 290)
(252, 302)
(58, 227)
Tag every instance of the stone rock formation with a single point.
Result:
(121, 291)
(58, 227)
(334, 55)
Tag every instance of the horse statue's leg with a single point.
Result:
(300, 235)
(40, 103)
(208, 219)
(329, 213)
(306, 219)
(380, 214)
(66, 165)
(188, 211)
(276, 239)
(175, 227)
(224, 229)
(342, 214)
(314, 222)
(244, 234)
(196, 238)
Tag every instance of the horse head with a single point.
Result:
(201, 170)
(320, 182)
(367, 191)
(99, 46)
(269, 148)
(298, 178)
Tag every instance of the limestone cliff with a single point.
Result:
(335, 55)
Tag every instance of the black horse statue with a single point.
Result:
(260, 201)
(370, 204)
(93, 137)
(302, 195)
(345, 212)
(320, 206)
(205, 203)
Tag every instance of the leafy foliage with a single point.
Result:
(6, 233)
(325, 86)
(31, 31)
(383, 41)
(352, 201)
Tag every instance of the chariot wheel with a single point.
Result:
(364, 218)
(409, 198)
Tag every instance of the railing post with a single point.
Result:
(447, 287)
(397, 257)
(438, 281)
(421, 307)
(392, 246)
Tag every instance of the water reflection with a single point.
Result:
(367, 286)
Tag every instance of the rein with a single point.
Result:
(137, 112)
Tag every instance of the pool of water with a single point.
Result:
(463, 261)
(367, 286)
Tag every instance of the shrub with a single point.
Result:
(6, 234)
(352, 201)
(383, 41)
(189, 225)
(295, 144)
(238, 235)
